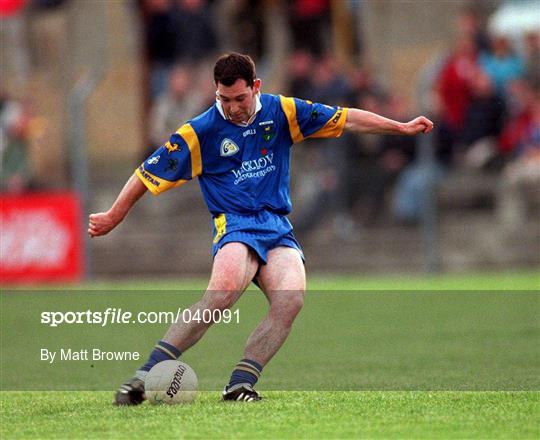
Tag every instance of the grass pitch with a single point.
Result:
(459, 357)
(285, 414)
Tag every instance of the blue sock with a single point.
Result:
(246, 371)
(162, 351)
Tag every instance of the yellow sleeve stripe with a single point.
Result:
(289, 108)
(155, 184)
(192, 141)
(334, 126)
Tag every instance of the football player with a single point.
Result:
(240, 149)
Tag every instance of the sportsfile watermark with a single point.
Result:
(113, 315)
(340, 340)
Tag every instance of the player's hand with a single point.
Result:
(421, 124)
(102, 223)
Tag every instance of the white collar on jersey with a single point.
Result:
(258, 107)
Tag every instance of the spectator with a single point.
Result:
(470, 23)
(502, 64)
(301, 64)
(176, 31)
(532, 58)
(160, 42)
(483, 123)
(362, 83)
(454, 92)
(521, 109)
(310, 23)
(195, 36)
(15, 126)
(328, 82)
(179, 103)
(391, 156)
(411, 179)
(360, 174)
(327, 85)
(520, 181)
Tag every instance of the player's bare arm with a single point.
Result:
(103, 222)
(361, 121)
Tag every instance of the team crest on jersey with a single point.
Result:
(228, 148)
(268, 132)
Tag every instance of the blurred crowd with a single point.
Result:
(483, 94)
(180, 57)
(19, 127)
(486, 100)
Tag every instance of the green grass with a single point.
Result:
(281, 415)
(512, 280)
(448, 340)
(435, 357)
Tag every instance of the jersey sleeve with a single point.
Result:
(174, 163)
(312, 120)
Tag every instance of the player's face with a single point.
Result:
(238, 101)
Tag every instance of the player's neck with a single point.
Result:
(249, 121)
(251, 118)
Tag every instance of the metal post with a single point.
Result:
(87, 53)
(79, 154)
(428, 167)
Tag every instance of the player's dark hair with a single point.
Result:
(233, 66)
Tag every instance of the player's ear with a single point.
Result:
(257, 85)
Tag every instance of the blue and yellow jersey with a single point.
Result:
(241, 169)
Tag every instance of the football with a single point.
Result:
(171, 382)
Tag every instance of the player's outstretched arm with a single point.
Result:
(102, 223)
(361, 121)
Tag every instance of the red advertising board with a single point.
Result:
(40, 238)
(10, 8)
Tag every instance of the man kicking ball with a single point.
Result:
(240, 151)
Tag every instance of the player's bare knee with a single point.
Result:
(220, 299)
(230, 284)
(295, 305)
(287, 309)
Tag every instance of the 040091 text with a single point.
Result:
(207, 316)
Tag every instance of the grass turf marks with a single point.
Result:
(284, 414)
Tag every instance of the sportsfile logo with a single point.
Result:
(113, 315)
(251, 169)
